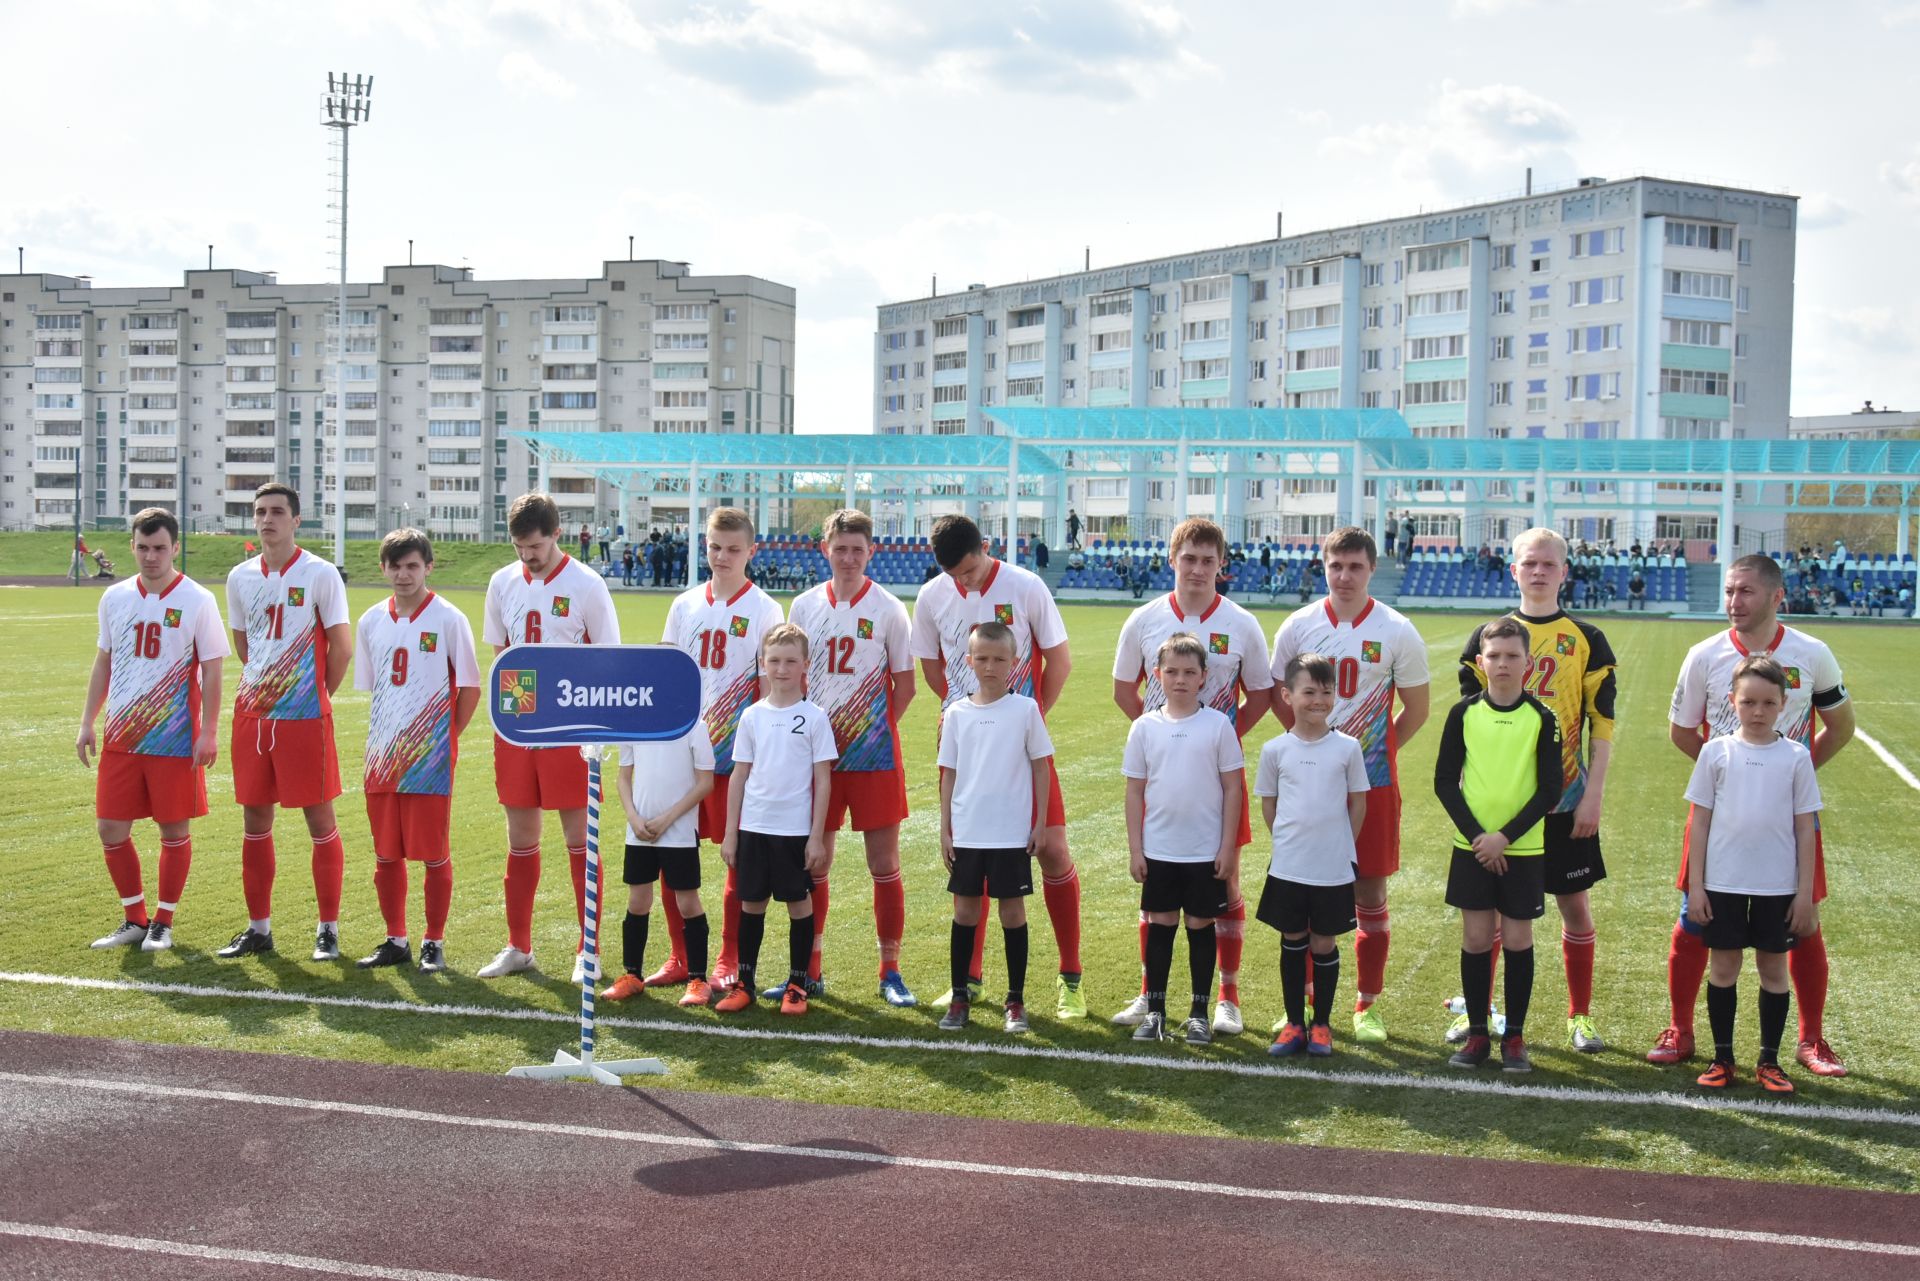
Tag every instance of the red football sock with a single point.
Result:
(523, 878)
(889, 919)
(1063, 910)
(1577, 951)
(1230, 937)
(979, 969)
(729, 961)
(1807, 966)
(676, 926)
(1493, 962)
(176, 858)
(1370, 954)
(439, 898)
(390, 887)
(1143, 953)
(819, 897)
(256, 874)
(577, 865)
(1686, 970)
(329, 873)
(123, 865)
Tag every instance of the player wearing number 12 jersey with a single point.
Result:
(1377, 654)
(720, 623)
(544, 598)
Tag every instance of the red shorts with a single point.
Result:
(713, 811)
(1378, 846)
(1056, 806)
(287, 763)
(1819, 860)
(166, 789)
(1245, 837)
(539, 778)
(875, 799)
(410, 825)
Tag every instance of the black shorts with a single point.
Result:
(1183, 887)
(1741, 921)
(1573, 863)
(678, 865)
(1520, 894)
(1293, 908)
(1005, 873)
(771, 867)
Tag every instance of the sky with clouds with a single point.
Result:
(857, 148)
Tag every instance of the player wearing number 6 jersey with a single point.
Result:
(157, 668)
(1376, 654)
(544, 598)
(720, 624)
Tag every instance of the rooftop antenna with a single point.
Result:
(1089, 259)
(409, 251)
(629, 248)
(209, 257)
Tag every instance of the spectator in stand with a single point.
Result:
(586, 542)
(1389, 534)
(626, 566)
(1637, 589)
(1076, 558)
(1138, 580)
(1903, 603)
(1073, 528)
(605, 537)
(1266, 555)
(1040, 553)
(1407, 534)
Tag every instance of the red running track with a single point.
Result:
(166, 1162)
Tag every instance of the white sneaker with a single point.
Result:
(580, 969)
(510, 961)
(1226, 1019)
(159, 938)
(126, 935)
(1131, 1014)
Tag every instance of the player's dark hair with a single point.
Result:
(151, 520)
(954, 539)
(1181, 645)
(1197, 529)
(401, 543)
(1315, 667)
(533, 513)
(848, 520)
(285, 491)
(995, 633)
(1763, 567)
(1762, 667)
(1350, 538)
(1506, 626)
(785, 634)
(731, 520)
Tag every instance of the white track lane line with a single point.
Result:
(213, 1253)
(1453, 1209)
(1888, 759)
(1497, 1087)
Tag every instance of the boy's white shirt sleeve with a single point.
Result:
(363, 650)
(493, 626)
(465, 660)
(1826, 671)
(1133, 761)
(743, 736)
(1228, 754)
(1706, 769)
(1806, 788)
(670, 630)
(236, 602)
(923, 635)
(1282, 652)
(105, 642)
(820, 735)
(1256, 664)
(701, 740)
(330, 603)
(1049, 629)
(899, 639)
(1689, 709)
(1039, 745)
(1127, 664)
(209, 638)
(603, 626)
(1266, 778)
(949, 757)
(626, 756)
(1410, 660)
(1357, 780)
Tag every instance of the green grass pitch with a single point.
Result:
(55, 897)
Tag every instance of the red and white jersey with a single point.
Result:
(1379, 652)
(155, 643)
(945, 614)
(414, 665)
(1706, 679)
(568, 605)
(1236, 650)
(854, 647)
(723, 636)
(285, 614)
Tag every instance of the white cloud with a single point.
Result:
(1764, 53)
(1470, 141)
(1903, 177)
(1317, 118)
(1486, 8)
(524, 73)
(1820, 211)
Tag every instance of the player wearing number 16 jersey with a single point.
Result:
(1377, 654)
(544, 598)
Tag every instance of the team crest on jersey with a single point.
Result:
(1003, 614)
(864, 629)
(173, 618)
(1217, 642)
(518, 693)
(296, 596)
(562, 606)
(1793, 678)
(1369, 651)
(429, 642)
(738, 627)
(1563, 644)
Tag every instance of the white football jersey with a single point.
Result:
(414, 665)
(1236, 650)
(1706, 679)
(284, 615)
(155, 643)
(854, 647)
(1379, 652)
(569, 605)
(945, 614)
(723, 637)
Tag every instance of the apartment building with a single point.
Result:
(1638, 309)
(189, 397)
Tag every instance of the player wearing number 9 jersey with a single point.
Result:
(544, 598)
(1377, 654)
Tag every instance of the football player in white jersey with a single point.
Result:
(1819, 716)
(975, 589)
(157, 674)
(544, 597)
(1377, 655)
(861, 671)
(1239, 684)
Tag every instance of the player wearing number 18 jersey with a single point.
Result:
(1377, 654)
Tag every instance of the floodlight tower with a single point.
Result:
(348, 102)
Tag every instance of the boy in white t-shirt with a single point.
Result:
(776, 840)
(661, 787)
(1185, 779)
(996, 763)
(1754, 798)
(1313, 785)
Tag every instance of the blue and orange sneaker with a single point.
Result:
(1320, 1041)
(1292, 1040)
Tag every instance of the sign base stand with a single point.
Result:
(567, 1066)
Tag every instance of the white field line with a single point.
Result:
(1888, 759)
(1454, 1209)
(186, 1250)
(1491, 1088)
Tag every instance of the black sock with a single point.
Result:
(1519, 988)
(1159, 965)
(1016, 936)
(1293, 980)
(1773, 1023)
(799, 948)
(1326, 977)
(1476, 985)
(695, 932)
(753, 928)
(1203, 950)
(1723, 1006)
(633, 943)
(959, 957)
